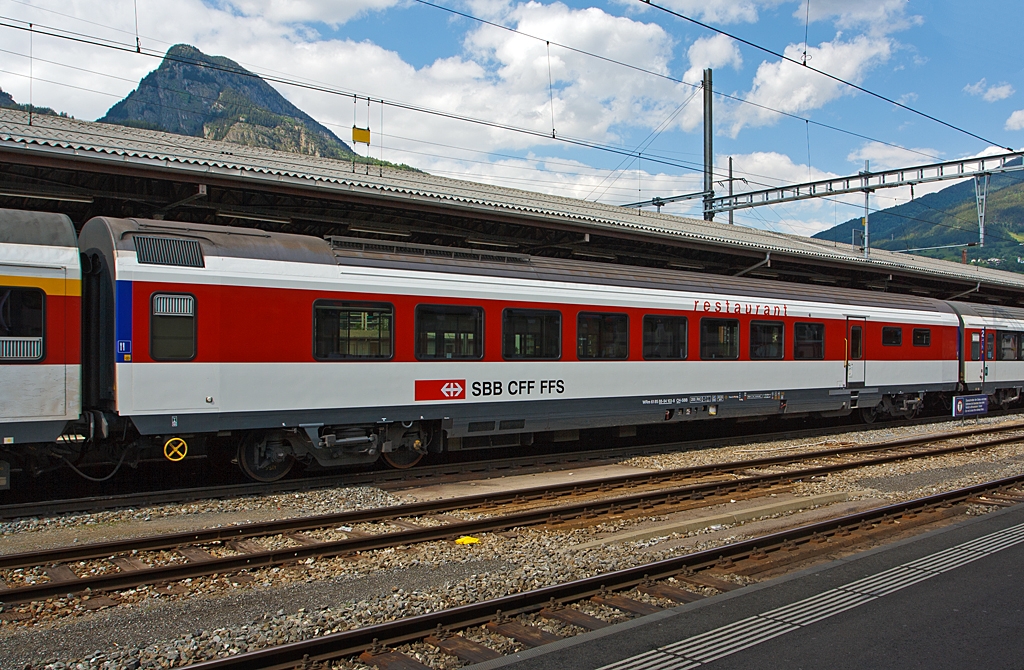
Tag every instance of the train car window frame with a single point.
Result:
(922, 337)
(548, 331)
(353, 306)
(18, 342)
(618, 345)
(892, 336)
(420, 344)
(176, 317)
(709, 349)
(652, 349)
(808, 348)
(755, 344)
(1002, 351)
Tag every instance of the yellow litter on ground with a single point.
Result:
(466, 539)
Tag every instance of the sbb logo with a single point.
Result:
(440, 389)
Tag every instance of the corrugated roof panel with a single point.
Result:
(85, 139)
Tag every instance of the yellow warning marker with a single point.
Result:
(175, 449)
(360, 134)
(466, 539)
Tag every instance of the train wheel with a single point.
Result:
(265, 458)
(868, 414)
(402, 459)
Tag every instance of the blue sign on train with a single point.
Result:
(970, 405)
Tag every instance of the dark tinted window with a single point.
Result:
(856, 343)
(892, 336)
(665, 337)
(719, 339)
(975, 346)
(1007, 346)
(352, 331)
(602, 336)
(809, 341)
(447, 332)
(990, 345)
(21, 324)
(922, 337)
(531, 334)
(766, 339)
(172, 327)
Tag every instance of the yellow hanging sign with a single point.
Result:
(360, 134)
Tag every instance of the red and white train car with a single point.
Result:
(292, 348)
(40, 371)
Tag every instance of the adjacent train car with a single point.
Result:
(40, 367)
(287, 348)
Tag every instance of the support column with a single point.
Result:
(867, 203)
(709, 154)
(981, 196)
(731, 211)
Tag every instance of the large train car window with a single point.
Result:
(922, 337)
(664, 337)
(1007, 350)
(21, 324)
(808, 341)
(602, 336)
(448, 332)
(975, 346)
(766, 340)
(531, 334)
(172, 327)
(990, 345)
(352, 331)
(719, 339)
(892, 336)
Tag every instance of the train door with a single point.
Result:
(855, 363)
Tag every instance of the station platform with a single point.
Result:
(950, 598)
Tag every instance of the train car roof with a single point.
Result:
(221, 240)
(989, 311)
(43, 228)
(399, 255)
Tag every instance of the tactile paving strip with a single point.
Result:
(720, 642)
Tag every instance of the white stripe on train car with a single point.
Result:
(40, 392)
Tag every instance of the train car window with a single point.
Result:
(975, 346)
(352, 331)
(719, 339)
(531, 334)
(448, 332)
(1007, 350)
(922, 337)
(602, 336)
(856, 343)
(664, 337)
(808, 341)
(990, 346)
(766, 340)
(172, 327)
(21, 324)
(892, 336)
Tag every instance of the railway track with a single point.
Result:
(669, 580)
(419, 476)
(624, 496)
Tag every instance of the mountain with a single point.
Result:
(7, 102)
(214, 97)
(950, 217)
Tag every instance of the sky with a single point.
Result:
(615, 81)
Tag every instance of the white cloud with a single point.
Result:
(886, 157)
(795, 89)
(715, 11)
(331, 12)
(988, 93)
(1016, 121)
(877, 16)
(715, 52)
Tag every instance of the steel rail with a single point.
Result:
(242, 531)
(229, 564)
(337, 645)
(412, 477)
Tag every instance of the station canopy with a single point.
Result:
(85, 169)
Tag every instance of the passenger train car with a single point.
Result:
(339, 351)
